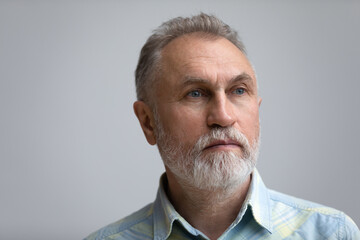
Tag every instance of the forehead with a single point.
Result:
(203, 57)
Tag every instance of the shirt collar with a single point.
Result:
(165, 214)
(259, 200)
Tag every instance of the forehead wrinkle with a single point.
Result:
(198, 61)
(243, 77)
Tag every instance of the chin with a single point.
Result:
(217, 171)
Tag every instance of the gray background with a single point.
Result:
(73, 157)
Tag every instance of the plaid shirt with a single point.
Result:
(265, 214)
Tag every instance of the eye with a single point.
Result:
(239, 91)
(195, 94)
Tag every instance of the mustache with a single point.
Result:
(223, 134)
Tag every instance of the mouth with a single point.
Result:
(223, 145)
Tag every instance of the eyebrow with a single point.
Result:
(243, 77)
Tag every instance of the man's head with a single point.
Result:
(198, 101)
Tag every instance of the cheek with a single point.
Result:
(248, 121)
(186, 124)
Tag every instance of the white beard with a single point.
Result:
(221, 170)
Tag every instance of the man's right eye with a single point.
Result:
(195, 94)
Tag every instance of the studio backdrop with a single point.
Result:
(73, 157)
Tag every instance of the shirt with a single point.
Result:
(265, 214)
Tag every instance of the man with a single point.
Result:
(198, 101)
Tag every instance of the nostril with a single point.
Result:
(216, 126)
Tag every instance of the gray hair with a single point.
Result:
(150, 55)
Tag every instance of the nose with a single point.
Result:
(220, 112)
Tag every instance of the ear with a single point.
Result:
(259, 101)
(146, 119)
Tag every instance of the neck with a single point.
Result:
(219, 207)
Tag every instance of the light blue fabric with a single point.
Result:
(265, 214)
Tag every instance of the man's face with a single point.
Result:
(205, 86)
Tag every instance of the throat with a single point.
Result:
(211, 212)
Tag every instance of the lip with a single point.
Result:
(223, 144)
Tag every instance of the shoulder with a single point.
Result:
(138, 225)
(286, 201)
(312, 216)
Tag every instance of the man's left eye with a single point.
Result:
(239, 91)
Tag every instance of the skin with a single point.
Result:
(204, 83)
